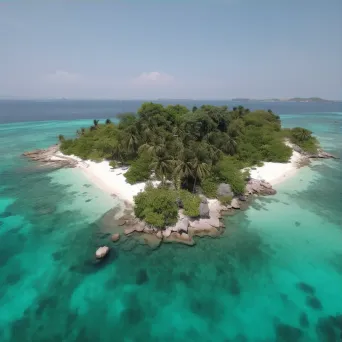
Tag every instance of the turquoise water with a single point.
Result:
(275, 275)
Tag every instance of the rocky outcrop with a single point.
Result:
(49, 156)
(121, 222)
(167, 232)
(204, 231)
(148, 230)
(179, 238)
(102, 252)
(148, 239)
(259, 187)
(206, 223)
(129, 231)
(204, 210)
(235, 203)
(203, 199)
(42, 153)
(224, 190)
(182, 225)
(139, 227)
(296, 148)
(208, 226)
(322, 155)
(204, 207)
(115, 237)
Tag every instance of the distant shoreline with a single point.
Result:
(294, 99)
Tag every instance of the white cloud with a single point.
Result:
(63, 77)
(153, 78)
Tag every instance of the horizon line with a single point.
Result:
(19, 98)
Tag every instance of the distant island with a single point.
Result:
(293, 99)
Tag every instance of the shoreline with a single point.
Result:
(108, 179)
(114, 182)
(276, 173)
(209, 223)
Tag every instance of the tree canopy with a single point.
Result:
(188, 148)
(304, 139)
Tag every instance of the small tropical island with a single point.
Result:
(178, 171)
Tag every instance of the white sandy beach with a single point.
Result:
(275, 173)
(108, 179)
(114, 182)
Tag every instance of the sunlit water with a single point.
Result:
(275, 274)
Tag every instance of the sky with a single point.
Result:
(148, 49)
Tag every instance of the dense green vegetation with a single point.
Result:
(159, 206)
(185, 149)
(140, 169)
(303, 138)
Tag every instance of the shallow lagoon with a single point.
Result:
(275, 275)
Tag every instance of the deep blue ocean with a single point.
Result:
(274, 275)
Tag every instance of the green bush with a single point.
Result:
(303, 138)
(311, 145)
(225, 200)
(66, 146)
(95, 156)
(140, 170)
(191, 203)
(228, 171)
(278, 152)
(154, 219)
(209, 187)
(95, 143)
(113, 164)
(156, 207)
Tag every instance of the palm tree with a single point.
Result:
(96, 122)
(239, 112)
(229, 144)
(162, 166)
(154, 144)
(131, 140)
(108, 121)
(178, 130)
(182, 169)
(80, 132)
(152, 149)
(118, 151)
(214, 153)
(148, 131)
(301, 134)
(200, 170)
(61, 138)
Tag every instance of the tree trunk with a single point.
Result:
(177, 183)
(193, 190)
